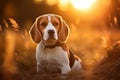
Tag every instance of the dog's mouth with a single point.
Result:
(51, 37)
(50, 41)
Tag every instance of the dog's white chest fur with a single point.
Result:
(55, 57)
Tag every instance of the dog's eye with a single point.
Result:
(43, 24)
(55, 23)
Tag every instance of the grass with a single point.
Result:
(17, 59)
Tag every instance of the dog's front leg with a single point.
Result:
(65, 69)
(38, 66)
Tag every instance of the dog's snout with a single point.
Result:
(51, 32)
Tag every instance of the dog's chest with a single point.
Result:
(52, 56)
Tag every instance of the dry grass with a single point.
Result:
(109, 67)
(17, 56)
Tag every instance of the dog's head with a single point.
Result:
(49, 28)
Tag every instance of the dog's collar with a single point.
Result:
(52, 46)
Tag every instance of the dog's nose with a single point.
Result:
(51, 32)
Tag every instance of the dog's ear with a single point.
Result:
(35, 33)
(64, 31)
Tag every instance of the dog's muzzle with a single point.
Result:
(51, 34)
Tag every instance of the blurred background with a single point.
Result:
(94, 25)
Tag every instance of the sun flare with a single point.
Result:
(82, 4)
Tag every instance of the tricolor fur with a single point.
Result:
(50, 33)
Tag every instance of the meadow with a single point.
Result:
(100, 55)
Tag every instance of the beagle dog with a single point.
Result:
(50, 32)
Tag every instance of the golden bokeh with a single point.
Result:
(82, 4)
(51, 2)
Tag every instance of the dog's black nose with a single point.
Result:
(51, 32)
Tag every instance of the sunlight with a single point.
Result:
(82, 4)
(63, 4)
(51, 2)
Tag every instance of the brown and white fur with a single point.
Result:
(50, 33)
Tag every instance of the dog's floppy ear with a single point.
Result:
(64, 31)
(35, 33)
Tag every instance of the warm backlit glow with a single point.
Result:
(51, 2)
(63, 4)
(82, 4)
